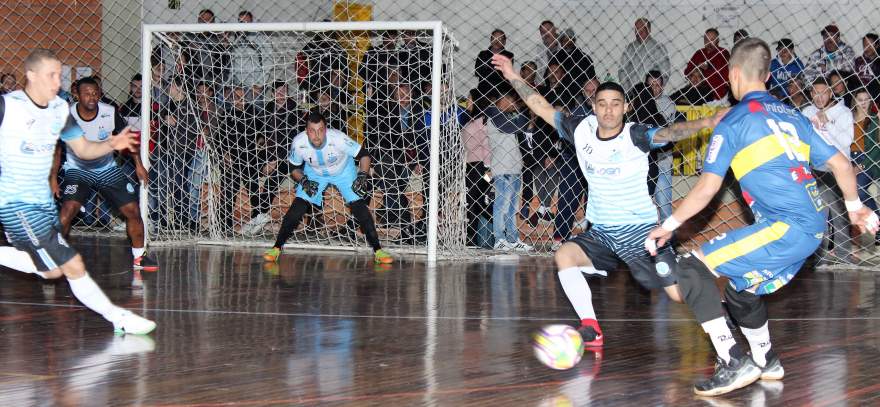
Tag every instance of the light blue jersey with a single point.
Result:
(98, 130)
(28, 135)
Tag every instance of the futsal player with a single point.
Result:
(770, 147)
(613, 156)
(31, 122)
(323, 157)
(83, 177)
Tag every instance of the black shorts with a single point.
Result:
(34, 229)
(607, 246)
(111, 183)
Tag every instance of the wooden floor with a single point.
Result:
(330, 329)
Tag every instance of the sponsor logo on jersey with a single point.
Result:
(714, 148)
(662, 269)
(30, 148)
(129, 188)
(103, 135)
(70, 189)
(800, 174)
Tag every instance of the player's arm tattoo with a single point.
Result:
(680, 131)
(534, 100)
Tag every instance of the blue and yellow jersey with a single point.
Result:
(770, 147)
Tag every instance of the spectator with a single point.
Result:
(8, 83)
(797, 98)
(242, 141)
(538, 152)
(504, 124)
(834, 122)
(131, 109)
(378, 62)
(250, 57)
(665, 106)
(863, 119)
(208, 53)
(578, 66)
(415, 60)
(661, 159)
(783, 68)
(586, 98)
(572, 183)
(318, 58)
(477, 176)
(871, 136)
(208, 124)
(549, 44)
(642, 55)
(711, 61)
(839, 82)
(104, 98)
(833, 55)
(489, 81)
(696, 92)
(867, 66)
(283, 121)
(739, 35)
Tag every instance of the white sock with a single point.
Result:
(722, 338)
(138, 252)
(578, 292)
(88, 293)
(759, 342)
(17, 260)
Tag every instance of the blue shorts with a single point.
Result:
(762, 257)
(35, 229)
(342, 181)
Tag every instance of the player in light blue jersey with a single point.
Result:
(322, 157)
(770, 147)
(31, 123)
(613, 155)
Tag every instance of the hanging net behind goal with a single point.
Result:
(227, 105)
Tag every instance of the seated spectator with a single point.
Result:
(833, 55)
(661, 159)
(711, 60)
(250, 59)
(377, 63)
(131, 109)
(797, 97)
(8, 83)
(489, 81)
(785, 66)
(696, 92)
(863, 119)
(867, 66)
(586, 98)
(504, 124)
(529, 72)
(840, 85)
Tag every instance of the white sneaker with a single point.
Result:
(256, 224)
(520, 246)
(130, 323)
(503, 246)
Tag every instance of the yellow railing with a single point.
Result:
(689, 153)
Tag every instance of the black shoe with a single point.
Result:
(591, 337)
(145, 263)
(772, 369)
(738, 373)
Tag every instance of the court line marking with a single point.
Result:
(417, 317)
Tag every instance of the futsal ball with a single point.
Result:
(558, 347)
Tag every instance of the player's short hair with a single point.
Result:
(315, 116)
(752, 56)
(611, 85)
(88, 80)
(35, 59)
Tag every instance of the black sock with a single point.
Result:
(291, 220)
(365, 220)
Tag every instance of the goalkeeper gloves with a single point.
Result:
(362, 185)
(308, 186)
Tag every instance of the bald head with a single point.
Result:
(752, 57)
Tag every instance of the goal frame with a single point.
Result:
(436, 29)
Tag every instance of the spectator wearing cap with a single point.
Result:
(711, 60)
(490, 83)
(867, 66)
(641, 56)
(577, 64)
(833, 55)
(783, 68)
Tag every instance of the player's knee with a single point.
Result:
(697, 285)
(674, 293)
(567, 256)
(53, 274)
(746, 308)
(74, 268)
(131, 211)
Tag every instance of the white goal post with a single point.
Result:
(436, 31)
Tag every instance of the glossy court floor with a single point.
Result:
(330, 329)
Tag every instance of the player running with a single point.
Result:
(323, 157)
(31, 122)
(83, 177)
(770, 147)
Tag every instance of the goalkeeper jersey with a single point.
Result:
(770, 147)
(328, 160)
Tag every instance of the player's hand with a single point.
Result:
(53, 185)
(657, 238)
(142, 174)
(865, 219)
(362, 185)
(308, 186)
(505, 65)
(125, 141)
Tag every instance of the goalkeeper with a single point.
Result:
(321, 157)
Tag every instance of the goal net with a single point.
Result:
(226, 101)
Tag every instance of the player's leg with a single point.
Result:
(345, 184)
(116, 187)
(583, 255)
(750, 312)
(301, 205)
(76, 189)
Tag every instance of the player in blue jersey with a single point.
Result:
(613, 155)
(31, 122)
(82, 178)
(770, 147)
(322, 157)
